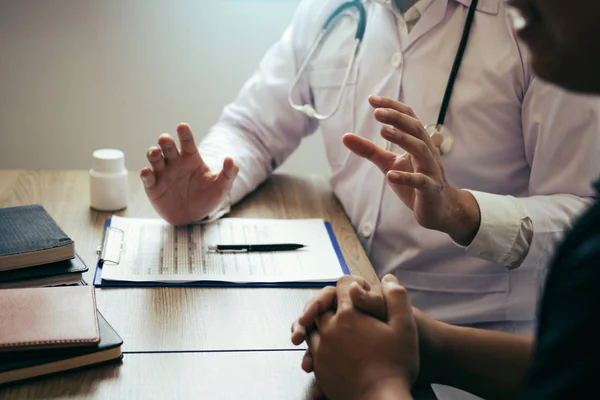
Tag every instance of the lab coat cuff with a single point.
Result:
(501, 222)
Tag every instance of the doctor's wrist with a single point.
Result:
(464, 217)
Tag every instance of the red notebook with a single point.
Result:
(48, 318)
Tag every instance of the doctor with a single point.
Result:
(516, 174)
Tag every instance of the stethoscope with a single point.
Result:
(441, 135)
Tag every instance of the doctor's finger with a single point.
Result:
(168, 147)
(186, 140)
(405, 123)
(366, 149)
(148, 178)
(156, 160)
(386, 102)
(415, 147)
(414, 180)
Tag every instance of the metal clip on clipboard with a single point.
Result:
(112, 245)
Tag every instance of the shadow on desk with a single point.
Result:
(205, 375)
(82, 383)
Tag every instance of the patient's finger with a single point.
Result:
(298, 333)
(324, 301)
(307, 362)
(316, 392)
(369, 302)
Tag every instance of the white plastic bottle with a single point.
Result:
(108, 180)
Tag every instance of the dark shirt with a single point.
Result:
(566, 359)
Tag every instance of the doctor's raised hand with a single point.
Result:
(417, 177)
(180, 186)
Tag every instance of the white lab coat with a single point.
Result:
(514, 135)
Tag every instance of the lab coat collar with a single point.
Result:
(485, 6)
(435, 14)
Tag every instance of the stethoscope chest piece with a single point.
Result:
(442, 137)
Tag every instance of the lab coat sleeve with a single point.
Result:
(259, 130)
(562, 145)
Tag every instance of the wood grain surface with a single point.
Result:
(200, 343)
(164, 376)
(244, 375)
(174, 319)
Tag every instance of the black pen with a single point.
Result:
(244, 248)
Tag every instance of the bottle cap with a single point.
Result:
(108, 160)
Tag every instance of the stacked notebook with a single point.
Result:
(34, 250)
(49, 330)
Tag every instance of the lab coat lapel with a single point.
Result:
(434, 15)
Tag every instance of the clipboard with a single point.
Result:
(112, 245)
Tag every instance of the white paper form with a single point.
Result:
(154, 251)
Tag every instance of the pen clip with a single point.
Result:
(215, 249)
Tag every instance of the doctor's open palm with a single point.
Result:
(417, 177)
(180, 186)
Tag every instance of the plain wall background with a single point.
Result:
(78, 75)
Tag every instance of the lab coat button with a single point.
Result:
(367, 230)
(397, 60)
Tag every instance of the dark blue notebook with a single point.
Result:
(32, 276)
(99, 282)
(29, 236)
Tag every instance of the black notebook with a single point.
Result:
(18, 367)
(29, 236)
(67, 272)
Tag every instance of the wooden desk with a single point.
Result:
(181, 319)
(189, 342)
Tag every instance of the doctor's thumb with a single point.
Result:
(226, 177)
(230, 169)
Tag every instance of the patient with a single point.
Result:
(367, 345)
